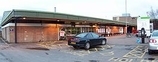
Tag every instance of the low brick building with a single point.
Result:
(35, 26)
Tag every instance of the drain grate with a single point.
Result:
(38, 48)
(93, 60)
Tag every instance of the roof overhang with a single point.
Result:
(52, 16)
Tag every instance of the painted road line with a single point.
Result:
(76, 52)
(123, 60)
(130, 60)
(59, 45)
(107, 53)
(88, 51)
(137, 52)
(96, 49)
(147, 60)
(129, 52)
(113, 59)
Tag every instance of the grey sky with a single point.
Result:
(93, 8)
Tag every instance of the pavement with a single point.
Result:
(118, 49)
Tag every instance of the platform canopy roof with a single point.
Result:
(35, 16)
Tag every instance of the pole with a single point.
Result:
(54, 9)
(126, 14)
(15, 27)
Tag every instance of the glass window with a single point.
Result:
(81, 35)
(89, 36)
(95, 35)
(73, 30)
(155, 33)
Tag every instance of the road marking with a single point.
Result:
(59, 45)
(113, 59)
(147, 60)
(96, 49)
(130, 60)
(123, 60)
(107, 53)
(88, 51)
(137, 52)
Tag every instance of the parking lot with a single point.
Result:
(117, 49)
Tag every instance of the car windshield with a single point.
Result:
(81, 35)
(155, 33)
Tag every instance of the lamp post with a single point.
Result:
(54, 9)
(126, 14)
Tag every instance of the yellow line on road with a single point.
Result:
(129, 52)
(143, 54)
(130, 60)
(59, 45)
(113, 58)
(96, 49)
(123, 60)
(134, 55)
(88, 51)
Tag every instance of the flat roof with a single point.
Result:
(42, 15)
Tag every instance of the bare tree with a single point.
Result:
(153, 14)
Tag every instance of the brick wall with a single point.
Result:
(34, 33)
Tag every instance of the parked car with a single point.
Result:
(87, 40)
(153, 42)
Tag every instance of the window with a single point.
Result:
(81, 35)
(155, 33)
(89, 36)
(95, 35)
(73, 30)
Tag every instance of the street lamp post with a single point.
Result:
(54, 9)
(126, 14)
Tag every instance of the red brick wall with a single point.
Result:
(35, 33)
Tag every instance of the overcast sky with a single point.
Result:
(94, 8)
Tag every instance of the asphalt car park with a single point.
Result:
(128, 51)
(117, 49)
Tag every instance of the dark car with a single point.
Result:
(87, 40)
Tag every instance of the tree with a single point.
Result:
(153, 14)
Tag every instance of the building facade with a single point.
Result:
(123, 19)
(35, 26)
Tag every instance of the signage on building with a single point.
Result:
(11, 29)
(121, 30)
(62, 33)
(108, 30)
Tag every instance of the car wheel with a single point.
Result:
(103, 42)
(87, 46)
(149, 51)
